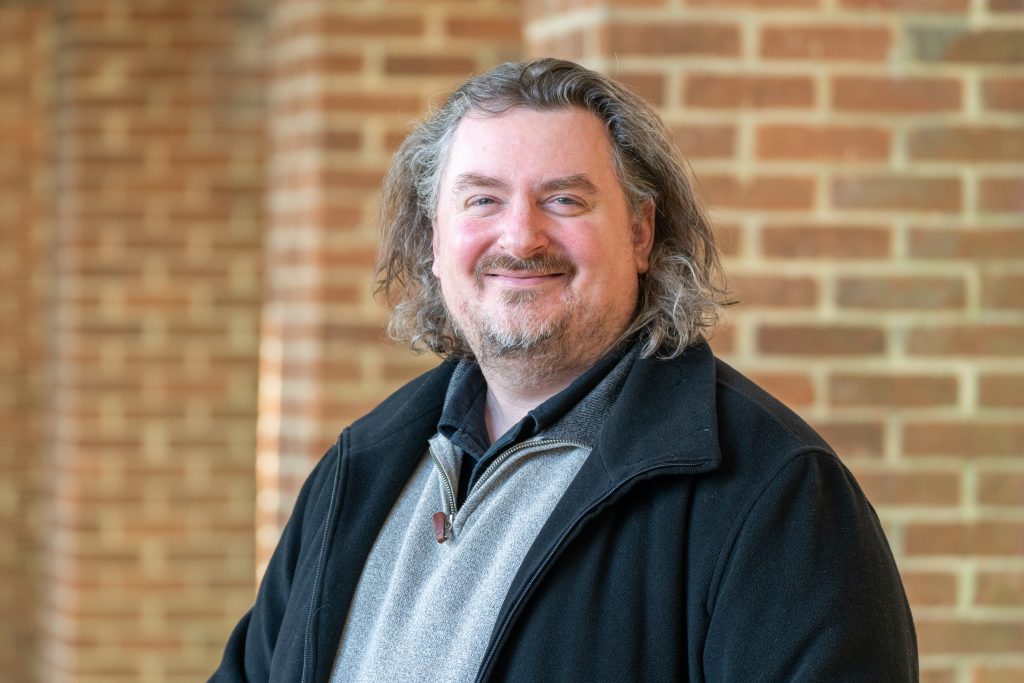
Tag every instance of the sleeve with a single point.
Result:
(808, 589)
(251, 645)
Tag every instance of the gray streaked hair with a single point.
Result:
(679, 298)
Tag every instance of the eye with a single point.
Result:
(566, 205)
(481, 205)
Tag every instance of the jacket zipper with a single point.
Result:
(444, 533)
(500, 633)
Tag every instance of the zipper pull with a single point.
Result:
(441, 526)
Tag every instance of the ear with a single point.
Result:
(643, 237)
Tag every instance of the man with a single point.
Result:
(580, 491)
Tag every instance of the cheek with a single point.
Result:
(466, 244)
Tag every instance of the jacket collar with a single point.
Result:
(664, 415)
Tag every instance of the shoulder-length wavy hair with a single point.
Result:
(679, 298)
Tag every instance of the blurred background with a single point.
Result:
(187, 199)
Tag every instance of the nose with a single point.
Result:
(524, 232)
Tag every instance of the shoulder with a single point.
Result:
(751, 418)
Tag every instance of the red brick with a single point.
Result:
(932, 673)
(884, 391)
(901, 292)
(672, 39)
(910, 488)
(895, 95)
(907, 5)
(1002, 291)
(1000, 589)
(967, 144)
(365, 103)
(774, 291)
(792, 388)
(485, 28)
(650, 86)
(846, 242)
(722, 91)
(832, 42)
(975, 637)
(729, 238)
(300, 65)
(428, 65)
(1003, 94)
(1001, 489)
(1002, 390)
(326, 140)
(964, 439)
(820, 340)
(932, 589)
(945, 44)
(351, 25)
(1006, 5)
(996, 673)
(967, 244)
(863, 439)
(967, 340)
(704, 142)
(997, 539)
(765, 192)
(1002, 194)
(724, 340)
(822, 143)
(897, 193)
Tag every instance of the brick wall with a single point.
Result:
(863, 159)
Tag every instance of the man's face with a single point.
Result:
(535, 246)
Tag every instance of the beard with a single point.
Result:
(523, 340)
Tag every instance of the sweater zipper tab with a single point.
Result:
(442, 526)
(443, 521)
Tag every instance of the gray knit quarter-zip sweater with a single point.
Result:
(419, 601)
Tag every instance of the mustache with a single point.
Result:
(545, 263)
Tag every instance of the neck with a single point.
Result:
(510, 398)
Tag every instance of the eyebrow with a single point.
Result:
(465, 181)
(577, 181)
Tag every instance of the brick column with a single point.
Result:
(346, 81)
(863, 160)
(24, 281)
(158, 201)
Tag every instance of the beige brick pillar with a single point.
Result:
(157, 195)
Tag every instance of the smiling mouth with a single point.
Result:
(523, 279)
(515, 272)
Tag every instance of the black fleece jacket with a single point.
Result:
(711, 535)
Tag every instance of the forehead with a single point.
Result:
(526, 145)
